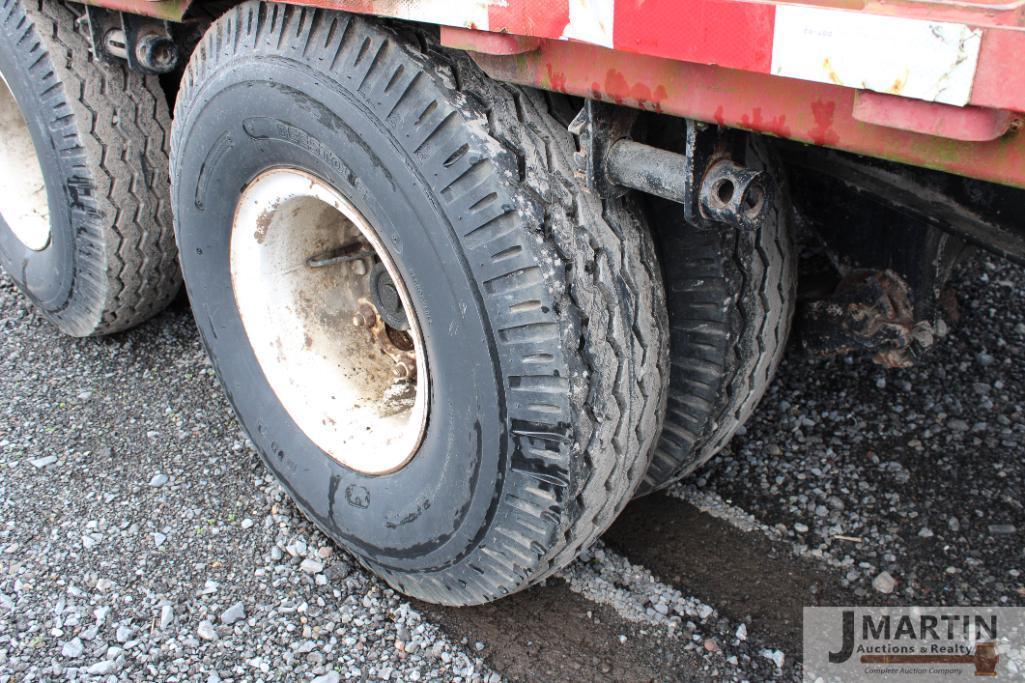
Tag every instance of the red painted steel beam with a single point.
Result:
(821, 114)
(739, 34)
(711, 59)
(487, 42)
(971, 124)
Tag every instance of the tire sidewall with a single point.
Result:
(47, 276)
(432, 512)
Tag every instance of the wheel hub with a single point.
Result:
(304, 265)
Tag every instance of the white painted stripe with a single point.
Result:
(926, 60)
(590, 21)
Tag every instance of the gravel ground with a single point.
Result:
(141, 538)
(910, 482)
(687, 623)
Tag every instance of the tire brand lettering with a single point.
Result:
(263, 128)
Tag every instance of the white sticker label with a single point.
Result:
(926, 60)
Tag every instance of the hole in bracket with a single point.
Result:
(724, 191)
(754, 199)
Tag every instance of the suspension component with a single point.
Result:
(709, 178)
(733, 194)
(145, 43)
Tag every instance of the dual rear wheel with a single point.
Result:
(455, 358)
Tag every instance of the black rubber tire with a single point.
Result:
(101, 133)
(546, 337)
(731, 297)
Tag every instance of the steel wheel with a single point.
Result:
(303, 267)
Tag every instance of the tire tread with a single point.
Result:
(115, 133)
(724, 354)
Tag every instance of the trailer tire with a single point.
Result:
(95, 250)
(542, 328)
(731, 297)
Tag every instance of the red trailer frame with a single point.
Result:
(932, 83)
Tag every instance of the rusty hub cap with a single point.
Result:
(302, 260)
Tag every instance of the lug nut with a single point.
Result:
(365, 316)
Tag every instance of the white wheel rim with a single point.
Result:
(23, 203)
(333, 378)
